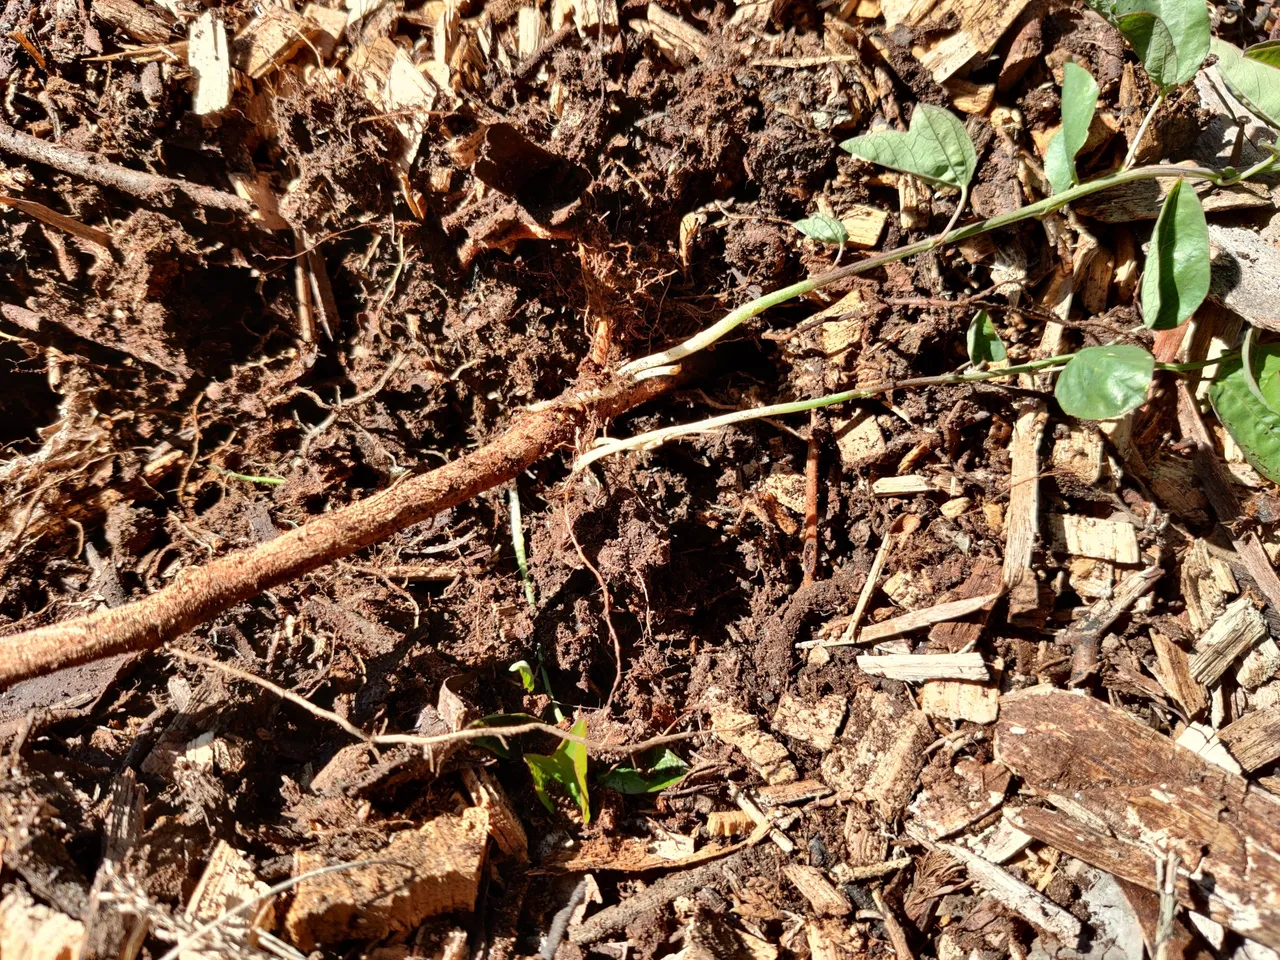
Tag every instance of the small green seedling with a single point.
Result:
(567, 766)
(1079, 101)
(665, 770)
(824, 229)
(526, 674)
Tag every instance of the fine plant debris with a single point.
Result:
(676, 479)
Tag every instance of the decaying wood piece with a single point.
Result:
(112, 931)
(741, 729)
(1142, 199)
(420, 873)
(1236, 631)
(1109, 540)
(1254, 739)
(881, 753)
(863, 224)
(1024, 900)
(678, 40)
(981, 24)
(1175, 675)
(821, 893)
(267, 41)
(146, 24)
(918, 667)
(32, 931)
(210, 63)
(394, 84)
(1144, 796)
(227, 882)
(918, 619)
(1207, 585)
(1022, 519)
(504, 825)
(958, 700)
(729, 823)
(1217, 487)
(1085, 636)
(814, 724)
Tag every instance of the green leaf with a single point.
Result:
(985, 345)
(526, 674)
(1268, 52)
(1176, 279)
(1261, 368)
(824, 229)
(1100, 383)
(1079, 100)
(1254, 78)
(665, 770)
(1170, 36)
(936, 148)
(1253, 425)
(567, 766)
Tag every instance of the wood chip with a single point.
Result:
(729, 823)
(504, 824)
(395, 85)
(763, 750)
(902, 486)
(210, 63)
(1021, 521)
(881, 752)
(1154, 797)
(864, 225)
(1259, 665)
(270, 39)
(917, 619)
(330, 26)
(1175, 675)
(821, 893)
(1207, 585)
(146, 24)
(970, 97)
(227, 882)
(857, 438)
(433, 870)
(1254, 739)
(918, 667)
(675, 38)
(954, 700)
(59, 221)
(799, 792)
(1239, 628)
(1101, 539)
(530, 29)
(32, 931)
(981, 24)
(1142, 200)
(1033, 906)
(815, 724)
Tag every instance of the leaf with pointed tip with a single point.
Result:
(1170, 36)
(824, 229)
(936, 148)
(1079, 101)
(567, 766)
(1176, 279)
(985, 345)
(1253, 425)
(1101, 383)
(1253, 77)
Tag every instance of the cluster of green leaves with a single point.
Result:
(1172, 38)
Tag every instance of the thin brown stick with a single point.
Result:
(201, 593)
(809, 554)
(897, 936)
(148, 187)
(608, 608)
(412, 739)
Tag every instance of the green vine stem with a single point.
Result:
(655, 438)
(647, 366)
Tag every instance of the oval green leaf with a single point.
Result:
(1253, 425)
(1261, 368)
(824, 229)
(1253, 77)
(1101, 383)
(1079, 101)
(936, 148)
(985, 345)
(1176, 279)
